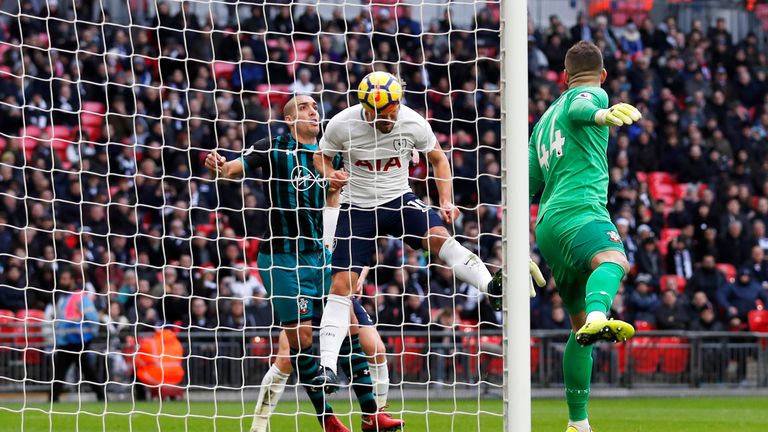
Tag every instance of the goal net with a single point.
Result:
(128, 271)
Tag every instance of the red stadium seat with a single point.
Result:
(660, 177)
(641, 326)
(679, 279)
(535, 354)
(674, 355)
(223, 70)
(534, 212)
(641, 176)
(670, 233)
(274, 96)
(728, 270)
(645, 356)
(94, 107)
(31, 336)
(758, 321)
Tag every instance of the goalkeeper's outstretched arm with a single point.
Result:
(584, 109)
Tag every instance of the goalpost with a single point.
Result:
(108, 110)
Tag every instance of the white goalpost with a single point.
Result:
(514, 118)
(130, 293)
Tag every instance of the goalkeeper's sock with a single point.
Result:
(330, 218)
(467, 266)
(353, 363)
(380, 378)
(272, 386)
(305, 364)
(333, 329)
(580, 426)
(602, 286)
(577, 373)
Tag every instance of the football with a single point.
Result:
(380, 91)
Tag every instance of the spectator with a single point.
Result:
(707, 279)
(680, 258)
(758, 266)
(671, 313)
(75, 327)
(12, 292)
(556, 320)
(643, 302)
(415, 313)
(735, 247)
(649, 259)
(739, 298)
(707, 321)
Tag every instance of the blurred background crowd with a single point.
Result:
(105, 128)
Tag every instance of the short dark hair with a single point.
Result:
(583, 58)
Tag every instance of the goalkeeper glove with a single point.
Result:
(535, 276)
(618, 115)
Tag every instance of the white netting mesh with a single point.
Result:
(108, 110)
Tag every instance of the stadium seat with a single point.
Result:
(674, 354)
(660, 177)
(645, 356)
(534, 212)
(274, 96)
(31, 336)
(641, 325)
(758, 320)
(94, 107)
(728, 270)
(535, 354)
(223, 70)
(679, 279)
(670, 233)
(641, 176)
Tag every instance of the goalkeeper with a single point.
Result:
(567, 154)
(293, 263)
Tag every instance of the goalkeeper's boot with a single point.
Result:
(603, 329)
(326, 380)
(332, 424)
(574, 429)
(495, 291)
(381, 422)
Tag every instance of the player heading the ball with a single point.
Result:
(376, 139)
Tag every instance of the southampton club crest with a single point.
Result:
(303, 305)
(614, 236)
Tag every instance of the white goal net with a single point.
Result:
(130, 297)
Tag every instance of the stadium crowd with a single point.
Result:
(103, 139)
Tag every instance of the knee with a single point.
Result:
(437, 237)
(380, 353)
(341, 286)
(611, 257)
(305, 337)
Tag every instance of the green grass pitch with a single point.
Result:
(617, 415)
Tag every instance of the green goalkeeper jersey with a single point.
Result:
(567, 153)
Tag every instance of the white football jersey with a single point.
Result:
(377, 163)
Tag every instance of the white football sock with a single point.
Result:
(380, 378)
(333, 329)
(330, 218)
(465, 264)
(596, 315)
(581, 425)
(272, 386)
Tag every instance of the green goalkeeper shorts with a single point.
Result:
(568, 246)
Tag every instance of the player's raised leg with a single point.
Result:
(608, 269)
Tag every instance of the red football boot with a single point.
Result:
(381, 422)
(332, 424)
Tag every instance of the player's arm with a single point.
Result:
(254, 157)
(585, 109)
(444, 182)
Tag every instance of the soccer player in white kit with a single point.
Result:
(376, 139)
